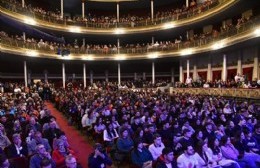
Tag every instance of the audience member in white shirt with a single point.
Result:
(157, 147)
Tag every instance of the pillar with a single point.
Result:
(117, 12)
(46, 76)
(29, 77)
(83, 9)
(135, 76)
(25, 74)
(152, 10)
(224, 68)
(255, 68)
(152, 40)
(172, 75)
(153, 74)
(61, 8)
(119, 74)
(24, 36)
(209, 72)
(181, 72)
(23, 3)
(187, 3)
(195, 73)
(91, 77)
(188, 69)
(239, 64)
(84, 76)
(118, 46)
(63, 75)
(144, 76)
(73, 77)
(106, 75)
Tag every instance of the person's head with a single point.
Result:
(99, 147)
(139, 132)
(38, 136)
(225, 140)
(4, 162)
(17, 139)
(41, 149)
(231, 124)
(168, 155)
(187, 133)
(199, 134)
(46, 163)
(139, 143)
(151, 128)
(157, 139)
(188, 150)
(60, 145)
(209, 126)
(70, 161)
(52, 124)
(248, 134)
(124, 132)
(32, 120)
(257, 128)
(242, 121)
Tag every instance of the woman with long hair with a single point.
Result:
(110, 135)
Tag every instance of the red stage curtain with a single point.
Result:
(203, 75)
(248, 72)
(216, 75)
(231, 73)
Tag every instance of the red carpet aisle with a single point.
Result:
(76, 140)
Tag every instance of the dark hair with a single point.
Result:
(224, 140)
(156, 136)
(166, 151)
(45, 162)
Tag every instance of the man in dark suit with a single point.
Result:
(17, 148)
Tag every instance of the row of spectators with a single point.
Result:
(92, 20)
(29, 134)
(153, 128)
(181, 41)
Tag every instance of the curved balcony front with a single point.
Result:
(246, 31)
(23, 15)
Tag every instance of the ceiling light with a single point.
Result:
(218, 45)
(32, 53)
(90, 58)
(120, 57)
(168, 26)
(75, 30)
(30, 21)
(152, 55)
(257, 32)
(119, 31)
(187, 51)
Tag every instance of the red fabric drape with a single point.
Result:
(203, 75)
(216, 75)
(248, 72)
(231, 73)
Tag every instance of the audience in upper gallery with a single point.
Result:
(130, 20)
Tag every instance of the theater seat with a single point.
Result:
(21, 162)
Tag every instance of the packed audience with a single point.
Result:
(92, 20)
(147, 128)
(29, 134)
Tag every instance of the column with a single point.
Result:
(23, 3)
(106, 75)
(61, 8)
(209, 72)
(224, 68)
(118, 46)
(144, 76)
(73, 77)
(152, 40)
(172, 75)
(83, 9)
(187, 3)
(181, 72)
(195, 73)
(24, 36)
(84, 76)
(63, 75)
(152, 10)
(91, 77)
(153, 74)
(25, 74)
(239, 64)
(46, 76)
(255, 68)
(84, 42)
(117, 12)
(135, 76)
(119, 75)
(188, 69)
(29, 77)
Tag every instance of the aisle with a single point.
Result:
(76, 140)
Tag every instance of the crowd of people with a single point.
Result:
(149, 128)
(29, 134)
(92, 20)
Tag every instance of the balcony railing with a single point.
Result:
(52, 18)
(164, 49)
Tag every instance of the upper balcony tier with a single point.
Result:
(246, 31)
(54, 22)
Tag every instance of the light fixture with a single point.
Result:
(188, 51)
(120, 57)
(218, 45)
(168, 26)
(74, 29)
(30, 21)
(152, 55)
(89, 58)
(119, 31)
(32, 53)
(257, 32)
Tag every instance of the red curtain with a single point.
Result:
(231, 73)
(203, 75)
(216, 75)
(248, 72)
(185, 76)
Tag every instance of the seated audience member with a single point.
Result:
(256, 134)
(98, 158)
(52, 132)
(251, 144)
(110, 135)
(46, 163)
(17, 148)
(4, 141)
(188, 158)
(41, 154)
(140, 155)
(124, 143)
(36, 141)
(33, 125)
(156, 147)
(4, 162)
(71, 162)
(186, 140)
(149, 134)
(230, 152)
(59, 154)
(166, 160)
(217, 155)
(61, 137)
